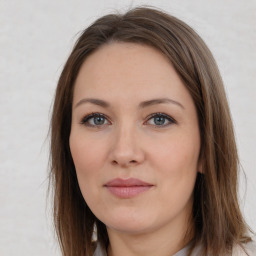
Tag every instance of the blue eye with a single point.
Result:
(94, 119)
(160, 119)
(97, 120)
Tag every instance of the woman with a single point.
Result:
(142, 148)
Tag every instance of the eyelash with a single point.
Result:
(86, 119)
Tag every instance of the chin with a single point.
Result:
(129, 224)
(129, 228)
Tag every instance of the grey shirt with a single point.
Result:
(237, 250)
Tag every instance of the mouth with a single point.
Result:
(127, 188)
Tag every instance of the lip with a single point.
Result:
(127, 188)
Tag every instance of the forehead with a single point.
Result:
(124, 70)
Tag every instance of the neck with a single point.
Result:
(165, 241)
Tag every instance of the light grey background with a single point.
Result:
(36, 38)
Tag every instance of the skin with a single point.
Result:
(130, 143)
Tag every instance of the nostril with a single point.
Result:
(127, 163)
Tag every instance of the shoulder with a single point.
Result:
(248, 250)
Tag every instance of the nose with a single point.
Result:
(126, 149)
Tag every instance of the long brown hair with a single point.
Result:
(218, 221)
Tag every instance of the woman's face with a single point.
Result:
(134, 139)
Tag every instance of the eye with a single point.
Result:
(97, 120)
(160, 119)
(94, 120)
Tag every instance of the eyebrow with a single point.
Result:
(143, 104)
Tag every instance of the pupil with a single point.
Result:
(159, 120)
(98, 120)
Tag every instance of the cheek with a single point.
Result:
(179, 153)
(176, 158)
(89, 158)
(86, 153)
